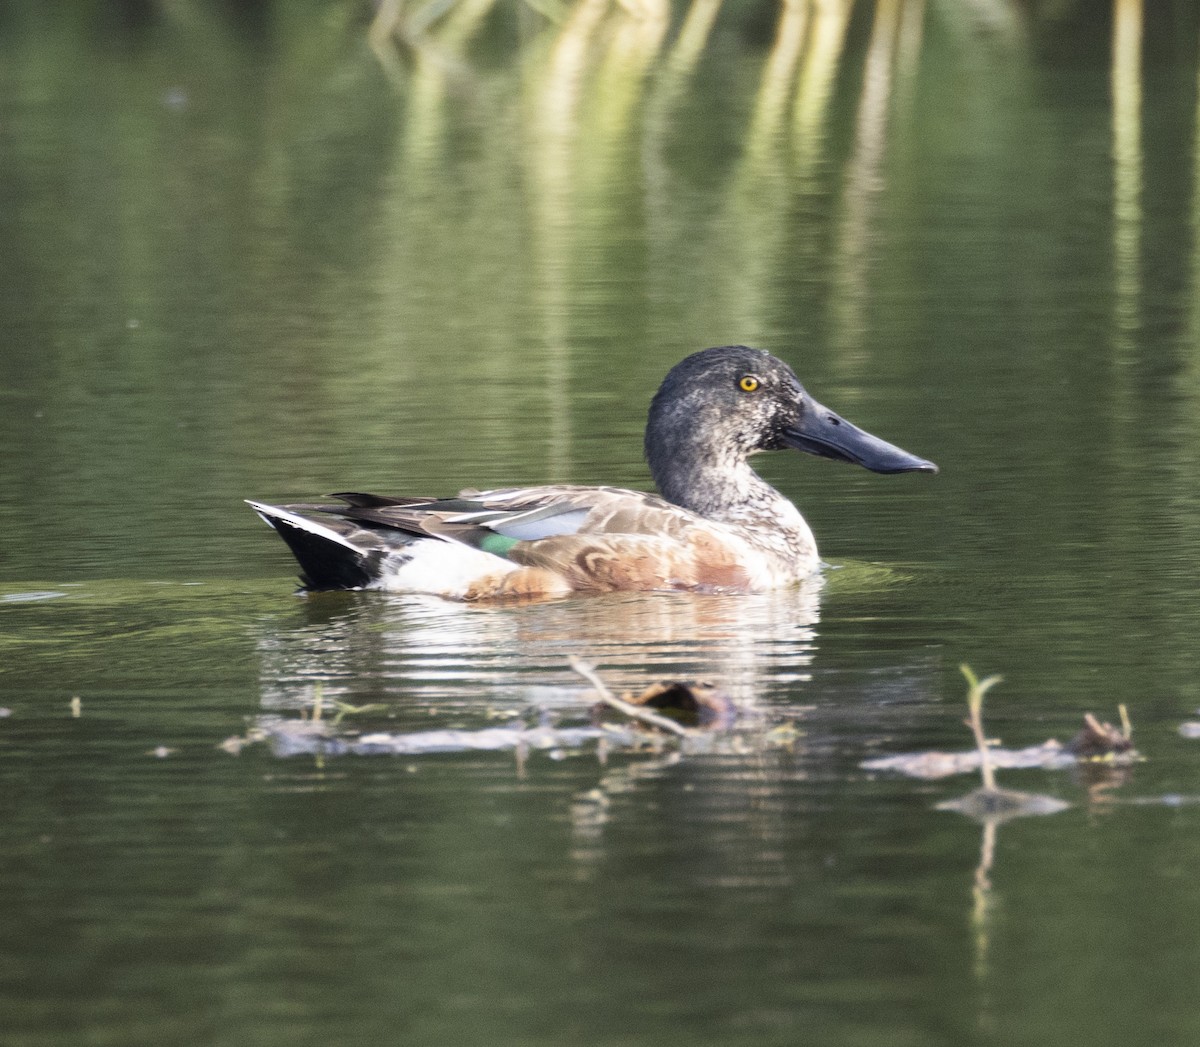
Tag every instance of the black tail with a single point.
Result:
(328, 558)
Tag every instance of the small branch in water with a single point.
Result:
(345, 709)
(1102, 741)
(988, 803)
(634, 712)
(978, 688)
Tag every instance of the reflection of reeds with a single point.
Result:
(1195, 275)
(864, 179)
(691, 41)
(814, 85)
(908, 50)
(604, 84)
(775, 89)
(1127, 161)
(621, 78)
(553, 138)
(608, 88)
(758, 195)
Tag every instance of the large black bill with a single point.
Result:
(823, 433)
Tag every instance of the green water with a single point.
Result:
(247, 255)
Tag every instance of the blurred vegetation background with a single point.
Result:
(275, 248)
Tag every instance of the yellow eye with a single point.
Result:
(747, 383)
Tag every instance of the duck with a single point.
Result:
(714, 526)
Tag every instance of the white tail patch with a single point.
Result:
(270, 513)
(424, 565)
(442, 568)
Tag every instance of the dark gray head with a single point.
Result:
(719, 406)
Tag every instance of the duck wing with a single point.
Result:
(491, 520)
(521, 514)
(570, 537)
(608, 538)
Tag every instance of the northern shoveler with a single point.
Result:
(718, 526)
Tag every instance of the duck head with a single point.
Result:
(719, 406)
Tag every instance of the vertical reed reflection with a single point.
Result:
(438, 58)
(611, 92)
(1195, 223)
(809, 144)
(667, 94)
(758, 195)
(779, 74)
(814, 86)
(864, 180)
(908, 52)
(1127, 166)
(552, 133)
(691, 41)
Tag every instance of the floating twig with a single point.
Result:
(634, 712)
(345, 709)
(1098, 741)
(989, 803)
(977, 689)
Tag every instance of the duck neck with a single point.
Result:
(713, 482)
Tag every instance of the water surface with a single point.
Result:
(250, 255)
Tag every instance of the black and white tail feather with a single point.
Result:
(376, 542)
(336, 553)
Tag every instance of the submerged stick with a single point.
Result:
(634, 712)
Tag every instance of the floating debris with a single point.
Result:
(1050, 755)
(288, 737)
(692, 704)
(236, 743)
(685, 717)
(989, 803)
(669, 705)
(628, 708)
(1102, 741)
(307, 737)
(76, 705)
(1095, 743)
(489, 739)
(784, 736)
